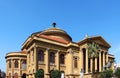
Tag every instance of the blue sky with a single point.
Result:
(20, 18)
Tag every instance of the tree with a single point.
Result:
(93, 53)
(106, 73)
(117, 72)
(55, 74)
(3, 74)
(93, 50)
(39, 74)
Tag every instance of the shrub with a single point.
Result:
(117, 72)
(55, 74)
(39, 74)
(107, 73)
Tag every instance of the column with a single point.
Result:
(95, 64)
(57, 61)
(19, 61)
(103, 60)
(91, 64)
(46, 63)
(69, 65)
(99, 61)
(112, 66)
(106, 57)
(7, 65)
(27, 63)
(86, 60)
(12, 67)
(35, 59)
(81, 60)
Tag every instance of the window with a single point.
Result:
(9, 64)
(29, 57)
(75, 63)
(9, 76)
(52, 57)
(23, 75)
(33, 55)
(16, 63)
(16, 75)
(84, 59)
(62, 59)
(24, 65)
(40, 55)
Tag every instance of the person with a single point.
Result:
(62, 75)
(0, 73)
(81, 73)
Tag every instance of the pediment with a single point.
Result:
(101, 41)
(97, 39)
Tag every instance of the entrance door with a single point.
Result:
(24, 75)
(16, 75)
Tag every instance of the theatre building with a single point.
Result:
(53, 49)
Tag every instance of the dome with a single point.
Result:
(54, 33)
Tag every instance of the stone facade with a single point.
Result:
(53, 49)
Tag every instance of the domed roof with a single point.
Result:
(55, 33)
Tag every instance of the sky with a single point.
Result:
(20, 18)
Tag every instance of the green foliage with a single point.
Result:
(55, 74)
(117, 72)
(93, 50)
(107, 73)
(39, 74)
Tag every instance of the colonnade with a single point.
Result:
(99, 62)
(47, 63)
(11, 69)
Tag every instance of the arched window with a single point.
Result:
(24, 75)
(16, 63)
(33, 55)
(24, 64)
(52, 57)
(75, 63)
(40, 55)
(84, 59)
(29, 57)
(16, 75)
(10, 64)
(62, 59)
(9, 76)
